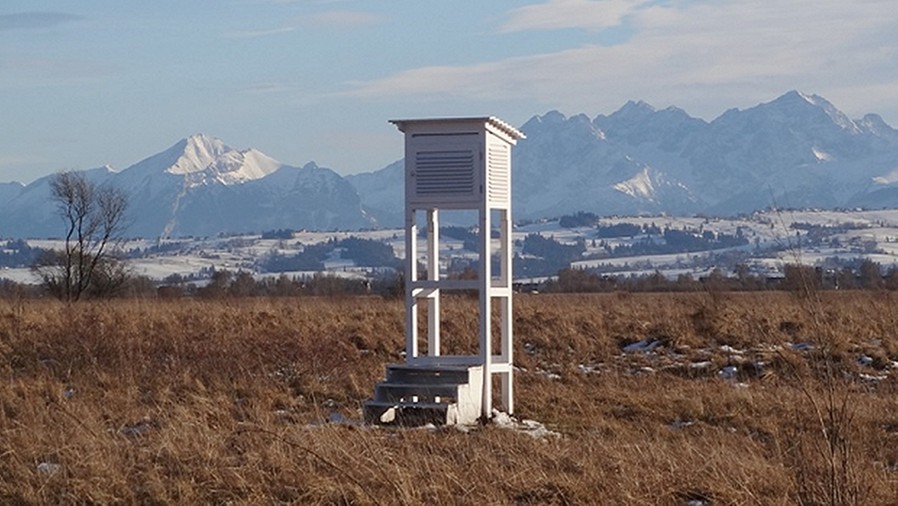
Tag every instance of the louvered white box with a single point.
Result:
(458, 163)
(463, 164)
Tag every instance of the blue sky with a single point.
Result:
(95, 82)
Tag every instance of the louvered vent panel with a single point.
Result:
(444, 172)
(498, 172)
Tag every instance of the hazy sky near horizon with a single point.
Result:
(95, 82)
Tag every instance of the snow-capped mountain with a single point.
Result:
(796, 151)
(202, 160)
(202, 187)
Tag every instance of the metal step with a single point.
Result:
(411, 414)
(421, 374)
(424, 392)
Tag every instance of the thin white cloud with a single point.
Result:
(255, 34)
(291, 2)
(704, 57)
(342, 19)
(34, 20)
(12, 161)
(27, 71)
(268, 88)
(327, 19)
(557, 14)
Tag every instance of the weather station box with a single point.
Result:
(458, 163)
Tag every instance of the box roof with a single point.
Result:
(492, 123)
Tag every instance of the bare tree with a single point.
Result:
(94, 217)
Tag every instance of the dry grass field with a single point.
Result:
(681, 399)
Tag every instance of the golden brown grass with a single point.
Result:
(227, 402)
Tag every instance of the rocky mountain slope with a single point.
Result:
(795, 151)
(202, 187)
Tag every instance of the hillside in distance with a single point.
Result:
(796, 151)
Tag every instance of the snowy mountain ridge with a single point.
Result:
(797, 151)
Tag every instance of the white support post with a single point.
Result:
(411, 301)
(486, 282)
(504, 249)
(433, 274)
(506, 312)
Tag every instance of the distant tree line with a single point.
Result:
(128, 286)
(280, 233)
(160, 248)
(578, 219)
(17, 253)
(228, 284)
(625, 230)
(868, 275)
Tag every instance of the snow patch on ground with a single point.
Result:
(532, 428)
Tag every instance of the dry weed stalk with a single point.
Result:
(840, 480)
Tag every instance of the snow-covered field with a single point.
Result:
(774, 239)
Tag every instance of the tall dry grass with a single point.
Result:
(228, 402)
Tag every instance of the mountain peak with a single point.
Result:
(633, 111)
(793, 108)
(795, 95)
(552, 117)
(873, 123)
(550, 120)
(197, 153)
(200, 137)
(202, 140)
(202, 159)
(638, 105)
(797, 98)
